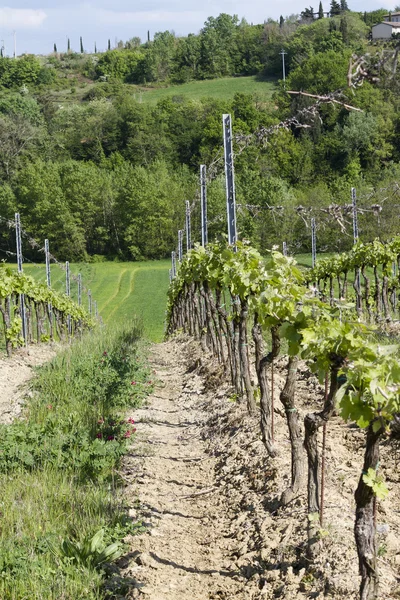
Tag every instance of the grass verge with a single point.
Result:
(122, 290)
(61, 509)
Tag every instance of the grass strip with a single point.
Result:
(62, 515)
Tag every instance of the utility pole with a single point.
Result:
(282, 53)
(229, 180)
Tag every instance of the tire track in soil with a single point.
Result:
(184, 554)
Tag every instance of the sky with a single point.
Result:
(39, 24)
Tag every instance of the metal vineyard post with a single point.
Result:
(203, 184)
(19, 262)
(229, 179)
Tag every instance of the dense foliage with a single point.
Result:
(108, 174)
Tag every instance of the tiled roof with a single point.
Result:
(391, 23)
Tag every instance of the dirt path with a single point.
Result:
(15, 372)
(185, 553)
(235, 540)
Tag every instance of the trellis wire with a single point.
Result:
(35, 245)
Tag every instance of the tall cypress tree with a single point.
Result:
(95, 48)
(343, 5)
(82, 50)
(55, 48)
(335, 8)
(68, 45)
(344, 30)
(320, 11)
(281, 21)
(109, 45)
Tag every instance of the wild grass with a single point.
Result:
(58, 467)
(122, 290)
(221, 89)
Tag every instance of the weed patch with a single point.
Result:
(62, 517)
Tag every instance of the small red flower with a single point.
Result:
(130, 420)
(100, 421)
(127, 434)
(133, 382)
(104, 353)
(99, 435)
(110, 437)
(49, 407)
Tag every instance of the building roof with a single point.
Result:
(391, 23)
(394, 14)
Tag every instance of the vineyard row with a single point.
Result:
(221, 294)
(48, 315)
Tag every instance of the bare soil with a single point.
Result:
(15, 372)
(200, 480)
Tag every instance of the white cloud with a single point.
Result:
(21, 18)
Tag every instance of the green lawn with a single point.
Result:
(121, 290)
(223, 89)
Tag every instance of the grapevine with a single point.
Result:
(271, 295)
(46, 309)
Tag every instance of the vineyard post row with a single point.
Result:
(33, 312)
(231, 206)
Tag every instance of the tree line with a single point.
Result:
(109, 175)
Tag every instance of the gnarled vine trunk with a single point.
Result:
(262, 363)
(287, 398)
(312, 422)
(364, 528)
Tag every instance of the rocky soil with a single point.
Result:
(208, 496)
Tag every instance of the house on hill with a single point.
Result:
(392, 17)
(384, 30)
